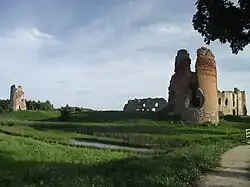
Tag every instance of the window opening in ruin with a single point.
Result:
(234, 112)
(233, 100)
(143, 109)
(144, 105)
(226, 102)
(195, 99)
(219, 101)
(153, 109)
(156, 104)
(244, 110)
(147, 110)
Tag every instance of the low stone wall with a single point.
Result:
(146, 104)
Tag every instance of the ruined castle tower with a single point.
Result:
(179, 83)
(207, 79)
(17, 100)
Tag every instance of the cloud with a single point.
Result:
(107, 55)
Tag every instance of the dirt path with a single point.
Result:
(234, 170)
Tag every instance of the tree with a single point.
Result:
(225, 21)
(65, 113)
(38, 105)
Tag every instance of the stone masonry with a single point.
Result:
(193, 95)
(232, 102)
(147, 104)
(17, 99)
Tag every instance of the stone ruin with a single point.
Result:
(147, 104)
(17, 99)
(232, 102)
(193, 95)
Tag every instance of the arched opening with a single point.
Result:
(234, 113)
(153, 109)
(226, 102)
(219, 101)
(197, 99)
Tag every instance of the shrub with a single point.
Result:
(65, 113)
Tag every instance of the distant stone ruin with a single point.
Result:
(17, 99)
(146, 104)
(232, 102)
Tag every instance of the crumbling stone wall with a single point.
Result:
(193, 95)
(146, 104)
(232, 102)
(17, 99)
(207, 77)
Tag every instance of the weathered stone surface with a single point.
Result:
(147, 104)
(17, 99)
(193, 96)
(191, 93)
(179, 84)
(232, 102)
(207, 77)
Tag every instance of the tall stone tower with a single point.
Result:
(207, 79)
(17, 100)
(13, 97)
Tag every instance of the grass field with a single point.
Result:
(35, 149)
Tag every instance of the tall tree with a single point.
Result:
(224, 20)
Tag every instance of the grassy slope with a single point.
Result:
(30, 115)
(196, 149)
(28, 162)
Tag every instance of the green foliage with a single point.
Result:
(37, 153)
(65, 113)
(4, 106)
(38, 105)
(30, 115)
(224, 21)
(27, 162)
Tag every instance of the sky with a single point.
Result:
(99, 54)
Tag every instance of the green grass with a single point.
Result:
(30, 115)
(55, 136)
(38, 154)
(27, 162)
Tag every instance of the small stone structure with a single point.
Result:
(17, 100)
(232, 102)
(193, 95)
(147, 104)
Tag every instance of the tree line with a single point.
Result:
(30, 104)
(42, 106)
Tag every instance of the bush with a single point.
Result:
(65, 113)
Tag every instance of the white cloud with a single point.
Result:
(104, 63)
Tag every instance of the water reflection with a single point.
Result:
(108, 146)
